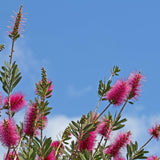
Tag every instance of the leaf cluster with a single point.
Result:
(132, 152)
(10, 77)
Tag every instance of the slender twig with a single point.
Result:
(97, 148)
(18, 148)
(10, 65)
(42, 136)
(120, 111)
(16, 155)
(56, 152)
(103, 111)
(141, 147)
(105, 142)
(42, 100)
(7, 153)
(100, 99)
(97, 105)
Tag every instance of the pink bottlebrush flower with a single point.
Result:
(30, 120)
(17, 102)
(120, 142)
(8, 133)
(155, 131)
(118, 93)
(51, 156)
(104, 128)
(10, 156)
(55, 144)
(134, 81)
(153, 158)
(50, 89)
(88, 143)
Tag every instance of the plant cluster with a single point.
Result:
(86, 139)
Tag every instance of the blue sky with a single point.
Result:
(78, 42)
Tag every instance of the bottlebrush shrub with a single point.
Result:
(86, 139)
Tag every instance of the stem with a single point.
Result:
(10, 65)
(103, 111)
(7, 153)
(105, 143)
(15, 152)
(56, 152)
(97, 105)
(141, 147)
(41, 139)
(120, 111)
(18, 148)
(100, 99)
(97, 148)
(42, 103)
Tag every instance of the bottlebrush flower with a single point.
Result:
(153, 158)
(16, 28)
(51, 156)
(55, 144)
(134, 81)
(8, 133)
(88, 143)
(49, 91)
(155, 131)
(10, 156)
(30, 120)
(121, 141)
(117, 94)
(17, 102)
(104, 128)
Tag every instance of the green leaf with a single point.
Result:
(47, 151)
(129, 151)
(82, 156)
(7, 64)
(1, 47)
(119, 126)
(33, 155)
(130, 102)
(76, 125)
(86, 154)
(88, 126)
(15, 83)
(5, 89)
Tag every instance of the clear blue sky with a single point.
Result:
(80, 41)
